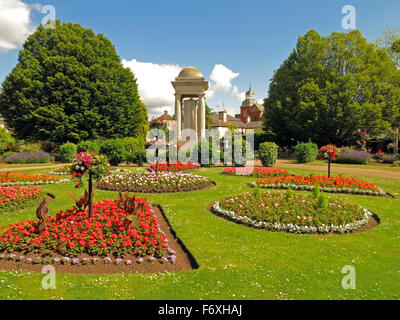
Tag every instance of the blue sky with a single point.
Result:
(250, 39)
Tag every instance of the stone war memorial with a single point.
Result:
(190, 88)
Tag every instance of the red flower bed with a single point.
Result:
(12, 198)
(175, 167)
(111, 231)
(332, 184)
(13, 178)
(259, 172)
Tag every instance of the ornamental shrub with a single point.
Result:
(67, 150)
(30, 147)
(115, 151)
(135, 151)
(87, 145)
(24, 157)
(306, 152)
(268, 153)
(354, 157)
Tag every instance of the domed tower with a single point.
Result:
(190, 87)
(251, 110)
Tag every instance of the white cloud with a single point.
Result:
(240, 95)
(221, 77)
(15, 23)
(157, 93)
(154, 81)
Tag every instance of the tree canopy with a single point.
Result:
(329, 87)
(69, 85)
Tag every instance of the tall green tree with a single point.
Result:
(69, 85)
(330, 86)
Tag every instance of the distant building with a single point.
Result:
(251, 110)
(167, 120)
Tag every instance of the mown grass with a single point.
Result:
(238, 262)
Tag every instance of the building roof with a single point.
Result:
(166, 117)
(190, 73)
(216, 122)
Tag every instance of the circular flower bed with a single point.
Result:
(332, 184)
(73, 238)
(21, 179)
(299, 213)
(15, 198)
(260, 172)
(176, 167)
(150, 182)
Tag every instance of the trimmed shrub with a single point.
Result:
(268, 153)
(306, 152)
(67, 150)
(87, 145)
(24, 157)
(115, 151)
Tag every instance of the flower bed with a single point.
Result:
(298, 214)
(332, 184)
(260, 172)
(20, 179)
(175, 167)
(150, 182)
(110, 236)
(15, 198)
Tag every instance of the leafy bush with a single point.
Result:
(135, 150)
(7, 154)
(387, 158)
(306, 152)
(30, 147)
(24, 157)
(348, 149)
(259, 137)
(268, 153)
(355, 157)
(67, 150)
(7, 142)
(87, 145)
(115, 151)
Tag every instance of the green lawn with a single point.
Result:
(238, 262)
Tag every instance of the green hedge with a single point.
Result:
(115, 151)
(66, 151)
(268, 153)
(306, 152)
(87, 145)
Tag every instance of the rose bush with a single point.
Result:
(150, 182)
(293, 212)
